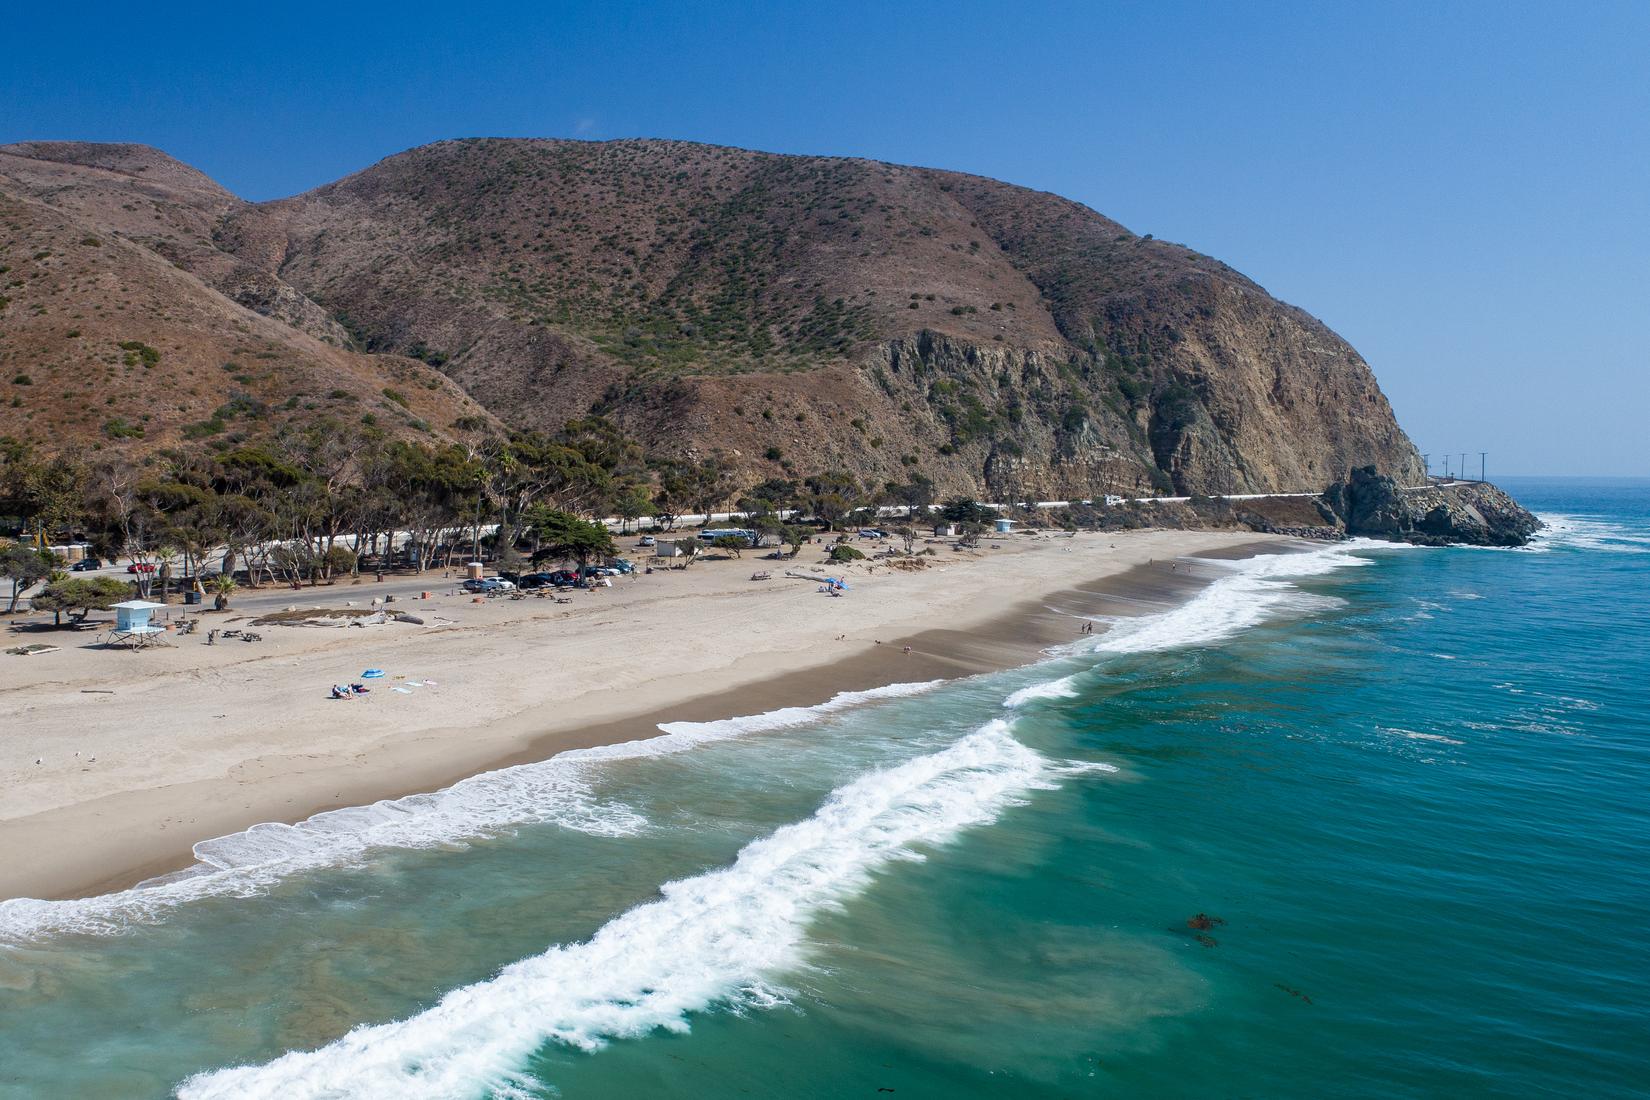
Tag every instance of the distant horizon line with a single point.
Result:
(1575, 477)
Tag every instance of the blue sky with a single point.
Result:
(1460, 189)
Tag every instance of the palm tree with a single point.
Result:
(223, 586)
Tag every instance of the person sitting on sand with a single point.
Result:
(341, 692)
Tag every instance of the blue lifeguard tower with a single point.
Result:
(132, 626)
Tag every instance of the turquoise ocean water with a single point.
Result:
(1409, 788)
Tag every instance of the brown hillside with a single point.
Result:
(837, 313)
(106, 342)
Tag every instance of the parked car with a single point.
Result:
(487, 585)
(529, 581)
(141, 567)
(564, 578)
(872, 533)
(648, 540)
(85, 565)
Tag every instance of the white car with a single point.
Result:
(648, 540)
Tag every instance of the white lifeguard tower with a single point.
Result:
(1003, 526)
(132, 626)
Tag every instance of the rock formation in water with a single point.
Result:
(1373, 505)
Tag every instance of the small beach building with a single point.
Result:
(1004, 526)
(132, 617)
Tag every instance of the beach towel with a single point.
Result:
(372, 674)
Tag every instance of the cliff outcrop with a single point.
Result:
(1477, 513)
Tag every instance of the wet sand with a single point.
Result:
(700, 645)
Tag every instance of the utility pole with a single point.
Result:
(1463, 465)
(1446, 467)
(1426, 461)
(1482, 456)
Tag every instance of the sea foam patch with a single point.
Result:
(1588, 533)
(682, 736)
(1063, 688)
(720, 939)
(1251, 591)
(250, 862)
(558, 791)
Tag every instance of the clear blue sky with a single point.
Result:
(1460, 189)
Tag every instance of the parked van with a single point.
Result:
(714, 533)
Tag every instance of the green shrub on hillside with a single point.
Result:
(139, 353)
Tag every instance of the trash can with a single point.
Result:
(191, 597)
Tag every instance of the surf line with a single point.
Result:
(558, 791)
(716, 939)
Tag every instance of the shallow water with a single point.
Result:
(1410, 785)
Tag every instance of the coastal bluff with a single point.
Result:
(1475, 513)
(783, 316)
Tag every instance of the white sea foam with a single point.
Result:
(1416, 735)
(1245, 592)
(1063, 688)
(248, 863)
(718, 939)
(1586, 533)
(682, 736)
(1083, 767)
(1250, 591)
(557, 791)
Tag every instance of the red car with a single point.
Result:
(140, 567)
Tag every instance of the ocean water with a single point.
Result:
(1408, 791)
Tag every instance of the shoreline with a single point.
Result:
(955, 627)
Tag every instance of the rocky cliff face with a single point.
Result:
(997, 339)
(790, 314)
(1477, 513)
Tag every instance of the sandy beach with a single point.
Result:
(114, 764)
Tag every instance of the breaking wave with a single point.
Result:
(1585, 533)
(682, 736)
(558, 791)
(715, 940)
(1251, 591)
(1063, 688)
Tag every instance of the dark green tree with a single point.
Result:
(25, 567)
(563, 535)
(965, 510)
(80, 597)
